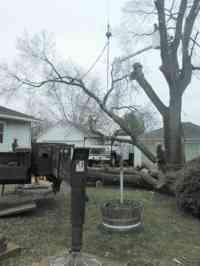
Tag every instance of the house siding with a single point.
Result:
(15, 129)
(67, 134)
(192, 150)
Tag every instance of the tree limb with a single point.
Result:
(138, 75)
(130, 107)
(77, 82)
(46, 59)
(105, 99)
(185, 76)
(194, 43)
(195, 68)
(188, 28)
(120, 122)
(163, 30)
(179, 25)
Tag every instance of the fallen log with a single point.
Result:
(136, 178)
(115, 170)
(164, 183)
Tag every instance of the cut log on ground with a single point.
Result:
(10, 250)
(134, 178)
(36, 192)
(26, 207)
(24, 199)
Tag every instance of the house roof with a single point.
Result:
(12, 114)
(191, 131)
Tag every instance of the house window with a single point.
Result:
(1, 132)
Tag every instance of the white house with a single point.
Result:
(14, 125)
(69, 133)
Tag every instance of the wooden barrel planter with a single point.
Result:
(122, 217)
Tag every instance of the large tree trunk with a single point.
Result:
(173, 130)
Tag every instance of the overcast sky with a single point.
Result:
(79, 27)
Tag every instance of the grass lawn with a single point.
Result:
(167, 234)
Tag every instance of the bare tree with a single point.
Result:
(54, 103)
(179, 40)
(56, 76)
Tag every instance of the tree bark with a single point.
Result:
(173, 130)
(156, 181)
(134, 178)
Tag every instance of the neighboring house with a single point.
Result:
(191, 140)
(14, 125)
(67, 132)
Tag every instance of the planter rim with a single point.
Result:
(122, 227)
(124, 206)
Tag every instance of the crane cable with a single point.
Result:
(95, 62)
(108, 35)
(107, 45)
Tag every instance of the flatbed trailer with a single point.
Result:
(51, 160)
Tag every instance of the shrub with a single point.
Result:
(187, 189)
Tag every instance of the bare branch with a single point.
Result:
(112, 138)
(140, 11)
(46, 59)
(172, 5)
(129, 107)
(185, 76)
(163, 30)
(179, 24)
(117, 120)
(194, 11)
(194, 43)
(113, 82)
(135, 34)
(61, 105)
(195, 68)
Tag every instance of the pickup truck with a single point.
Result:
(99, 154)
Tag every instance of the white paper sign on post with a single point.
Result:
(80, 166)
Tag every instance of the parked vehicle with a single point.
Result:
(107, 154)
(99, 155)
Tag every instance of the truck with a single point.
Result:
(99, 154)
(111, 154)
